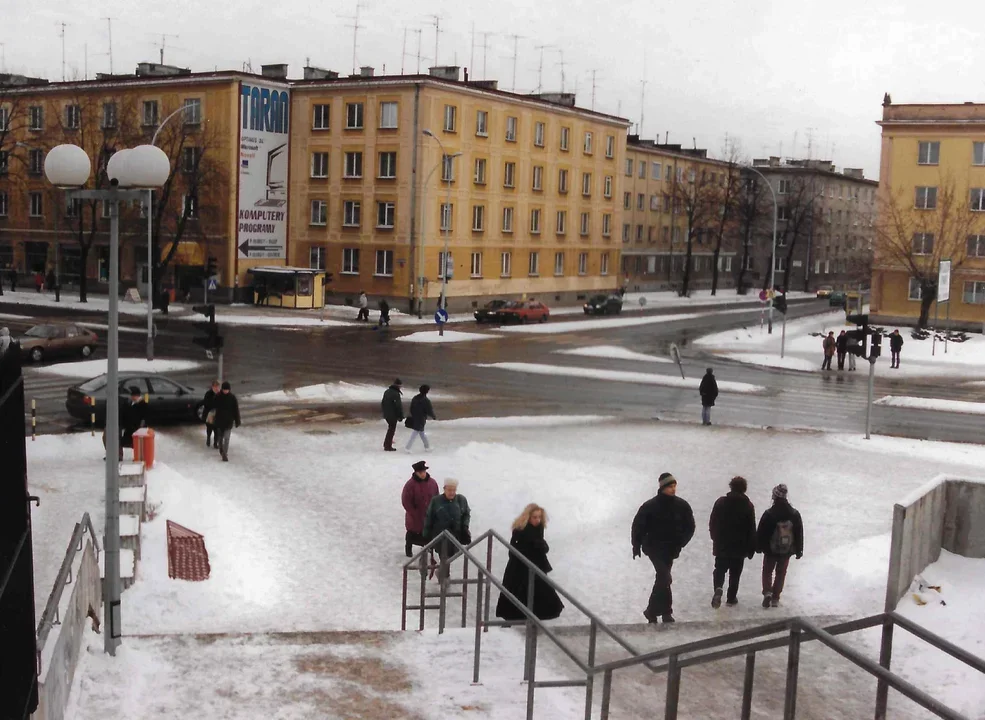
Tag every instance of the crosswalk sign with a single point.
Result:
(213, 283)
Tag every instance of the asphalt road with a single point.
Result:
(259, 359)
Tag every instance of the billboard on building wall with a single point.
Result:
(263, 143)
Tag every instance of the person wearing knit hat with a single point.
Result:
(780, 535)
(662, 527)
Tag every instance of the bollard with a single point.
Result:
(34, 419)
(92, 416)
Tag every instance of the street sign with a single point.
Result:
(762, 295)
(675, 355)
(213, 283)
(441, 316)
(248, 250)
(944, 281)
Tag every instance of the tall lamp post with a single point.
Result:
(447, 228)
(773, 253)
(68, 167)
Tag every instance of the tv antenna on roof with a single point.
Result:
(540, 66)
(109, 36)
(355, 33)
(164, 43)
(561, 63)
(437, 34)
(516, 40)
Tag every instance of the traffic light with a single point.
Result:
(211, 266)
(856, 342)
(862, 320)
(876, 349)
(780, 303)
(212, 340)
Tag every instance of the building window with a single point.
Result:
(562, 181)
(588, 143)
(451, 117)
(319, 212)
(4, 163)
(978, 199)
(353, 165)
(320, 117)
(535, 222)
(190, 157)
(475, 269)
(783, 187)
(319, 165)
(35, 161)
(559, 263)
(668, 173)
(974, 292)
(978, 153)
(606, 225)
(193, 111)
(916, 289)
(533, 266)
(607, 187)
(781, 264)
(562, 222)
(627, 200)
(976, 246)
(783, 213)
(629, 167)
(505, 264)
(478, 218)
(666, 233)
(604, 264)
(317, 258)
(350, 261)
(655, 171)
(642, 172)
(626, 230)
(538, 183)
(539, 134)
(507, 219)
(639, 233)
(388, 116)
(353, 116)
(585, 224)
(36, 206)
(388, 165)
(725, 263)
(640, 200)
(480, 171)
(191, 206)
(926, 198)
(447, 168)
(384, 214)
(586, 184)
(351, 213)
(482, 123)
(565, 137)
(445, 219)
(150, 113)
(73, 207)
(655, 203)
(384, 263)
(511, 129)
(583, 263)
(610, 146)
(3, 204)
(509, 174)
(697, 264)
(928, 153)
(109, 115)
(923, 243)
(36, 118)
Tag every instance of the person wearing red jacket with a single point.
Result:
(415, 498)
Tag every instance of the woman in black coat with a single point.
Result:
(528, 539)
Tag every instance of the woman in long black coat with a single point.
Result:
(528, 539)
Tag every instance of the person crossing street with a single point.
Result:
(226, 415)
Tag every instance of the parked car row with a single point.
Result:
(45, 341)
(512, 311)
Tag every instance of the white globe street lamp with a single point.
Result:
(130, 173)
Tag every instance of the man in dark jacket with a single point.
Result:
(709, 392)
(133, 416)
(393, 412)
(662, 527)
(841, 345)
(208, 415)
(420, 411)
(226, 415)
(829, 345)
(447, 511)
(384, 312)
(895, 345)
(416, 498)
(733, 537)
(780, 535)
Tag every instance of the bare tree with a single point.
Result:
(798, 212)
(728, 201)
(751, 211)
(696, 196)
(916, 234)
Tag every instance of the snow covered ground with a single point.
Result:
(70, 300)
(752, 344)
(620, 376)
(338, 392)
(699, 297)
(612, 352)
(919, 403)
(91, 368)
(450, 336)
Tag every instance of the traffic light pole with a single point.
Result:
(220, 365)
(868, 406)
(783, 336)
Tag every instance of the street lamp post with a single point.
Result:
(773, 253)
(420, 248)
(68, 167)
(447, 227)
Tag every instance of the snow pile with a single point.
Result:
(450, 336)
(310, 319)
(775, 361)
(337, 392)
(91, 368)
(919, 403)
(612, 352)
(96, 303)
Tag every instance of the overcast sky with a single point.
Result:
(774, 75)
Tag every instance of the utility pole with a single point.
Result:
(516, 44)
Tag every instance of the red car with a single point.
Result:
(523, 311)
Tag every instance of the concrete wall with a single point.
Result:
(62, 658)
(948, 514)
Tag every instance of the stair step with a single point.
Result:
(132, 474)
(127, 567)
(133, 501)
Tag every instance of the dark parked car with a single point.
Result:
(167, 401)
(490, 311)
(523, 311)
(837, 299)
(603, 305)
(44, 341)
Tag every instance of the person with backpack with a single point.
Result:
(208, 415)
(420, 411)
(780, 535)
(733, 536)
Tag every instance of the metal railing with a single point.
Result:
(673, 660)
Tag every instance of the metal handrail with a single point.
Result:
(938, 642)
(50, 618)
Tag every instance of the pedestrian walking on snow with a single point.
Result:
(208, 415)
(448, 511)
(841, 345)
(708, 391)
(780, 535)
(393, 412)
(662, 527)
(829, 345)
(363, 307)
(420, 411)
(226, 415)
(528, 540)
(895, 345)
(733, 538)
(384, 313)
(416, 497)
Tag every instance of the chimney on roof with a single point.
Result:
(854, 173)
(558, 98)
(278, 71)
(367, 71)
(484, 84)
(445, 72)
(158, 70)
(314, 73)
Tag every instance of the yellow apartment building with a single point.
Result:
(931, 208)
(386, 170)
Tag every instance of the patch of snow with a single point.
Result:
(450, 336)
(930, 450)
(312, 319)
(786, 363)
(91, 368)
(609, 323)
(620, 376)
(613, 352)
(96, 303)
(338, 392)
(8, 316)
(123, 328)
(940, 404)
(525, 421)
(699, 297)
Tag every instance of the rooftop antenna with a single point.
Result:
(420, 34)
(472, 53)
(437, 34)
(403, 51)
(793, 151)
(594, 71)
(540, 66)
(810, 143)
(485, 47)
(642, 95)
(61, 34)
(561, 63)
(85, 51)
(516, 44)
(164, 43)
(109, 35)
(3, 59)
(355, 34)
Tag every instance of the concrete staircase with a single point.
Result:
(133, 511)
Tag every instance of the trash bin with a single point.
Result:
(143, 447)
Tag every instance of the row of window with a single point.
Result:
(925, 198)
(829, 267)
(73, 206)
(929, 153)
(974, 291)
(923, 244)
(73, 115)
(651, 264)
(190, 157)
